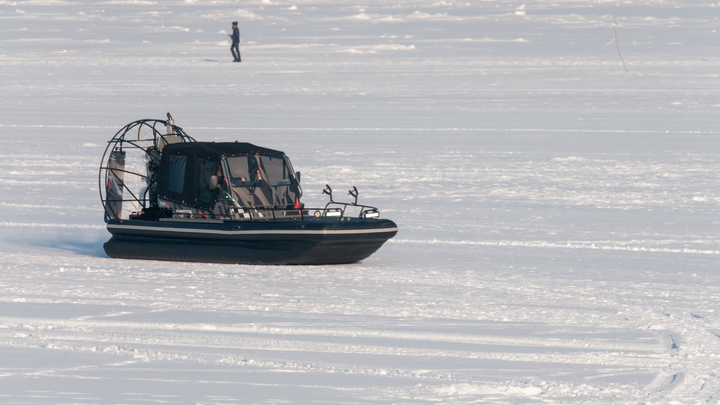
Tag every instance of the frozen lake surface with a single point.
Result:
(558, 216)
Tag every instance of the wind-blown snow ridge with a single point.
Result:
(47, 225)
(248, 338)
(355, 333)
(567, 245)
(57, 126)
(595, 358)
(14, 205)
(474, 129)
(398, 129)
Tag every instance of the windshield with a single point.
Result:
(276, 169)
(243, 171)
(246, 171)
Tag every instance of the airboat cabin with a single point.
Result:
(216, 177)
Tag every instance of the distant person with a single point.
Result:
(235, 47)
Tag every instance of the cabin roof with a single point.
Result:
(218, 149)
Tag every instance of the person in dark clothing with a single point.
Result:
(235, 47)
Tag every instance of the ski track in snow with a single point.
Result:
(558, 217)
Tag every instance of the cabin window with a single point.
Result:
(276, 169)
(206, 169)
(176, 173)
(244, 171)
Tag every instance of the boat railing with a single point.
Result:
(342, 211)
(333, 210)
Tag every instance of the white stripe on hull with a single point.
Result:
(258, 232)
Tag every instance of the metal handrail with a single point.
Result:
(261, 214)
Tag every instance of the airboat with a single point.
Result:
(167, 196)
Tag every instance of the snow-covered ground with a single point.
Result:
(558, 216)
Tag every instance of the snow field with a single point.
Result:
(558, 233)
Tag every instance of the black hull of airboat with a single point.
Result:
(312, 242)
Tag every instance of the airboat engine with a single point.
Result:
(130, 164)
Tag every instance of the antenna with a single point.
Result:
(170, 125)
